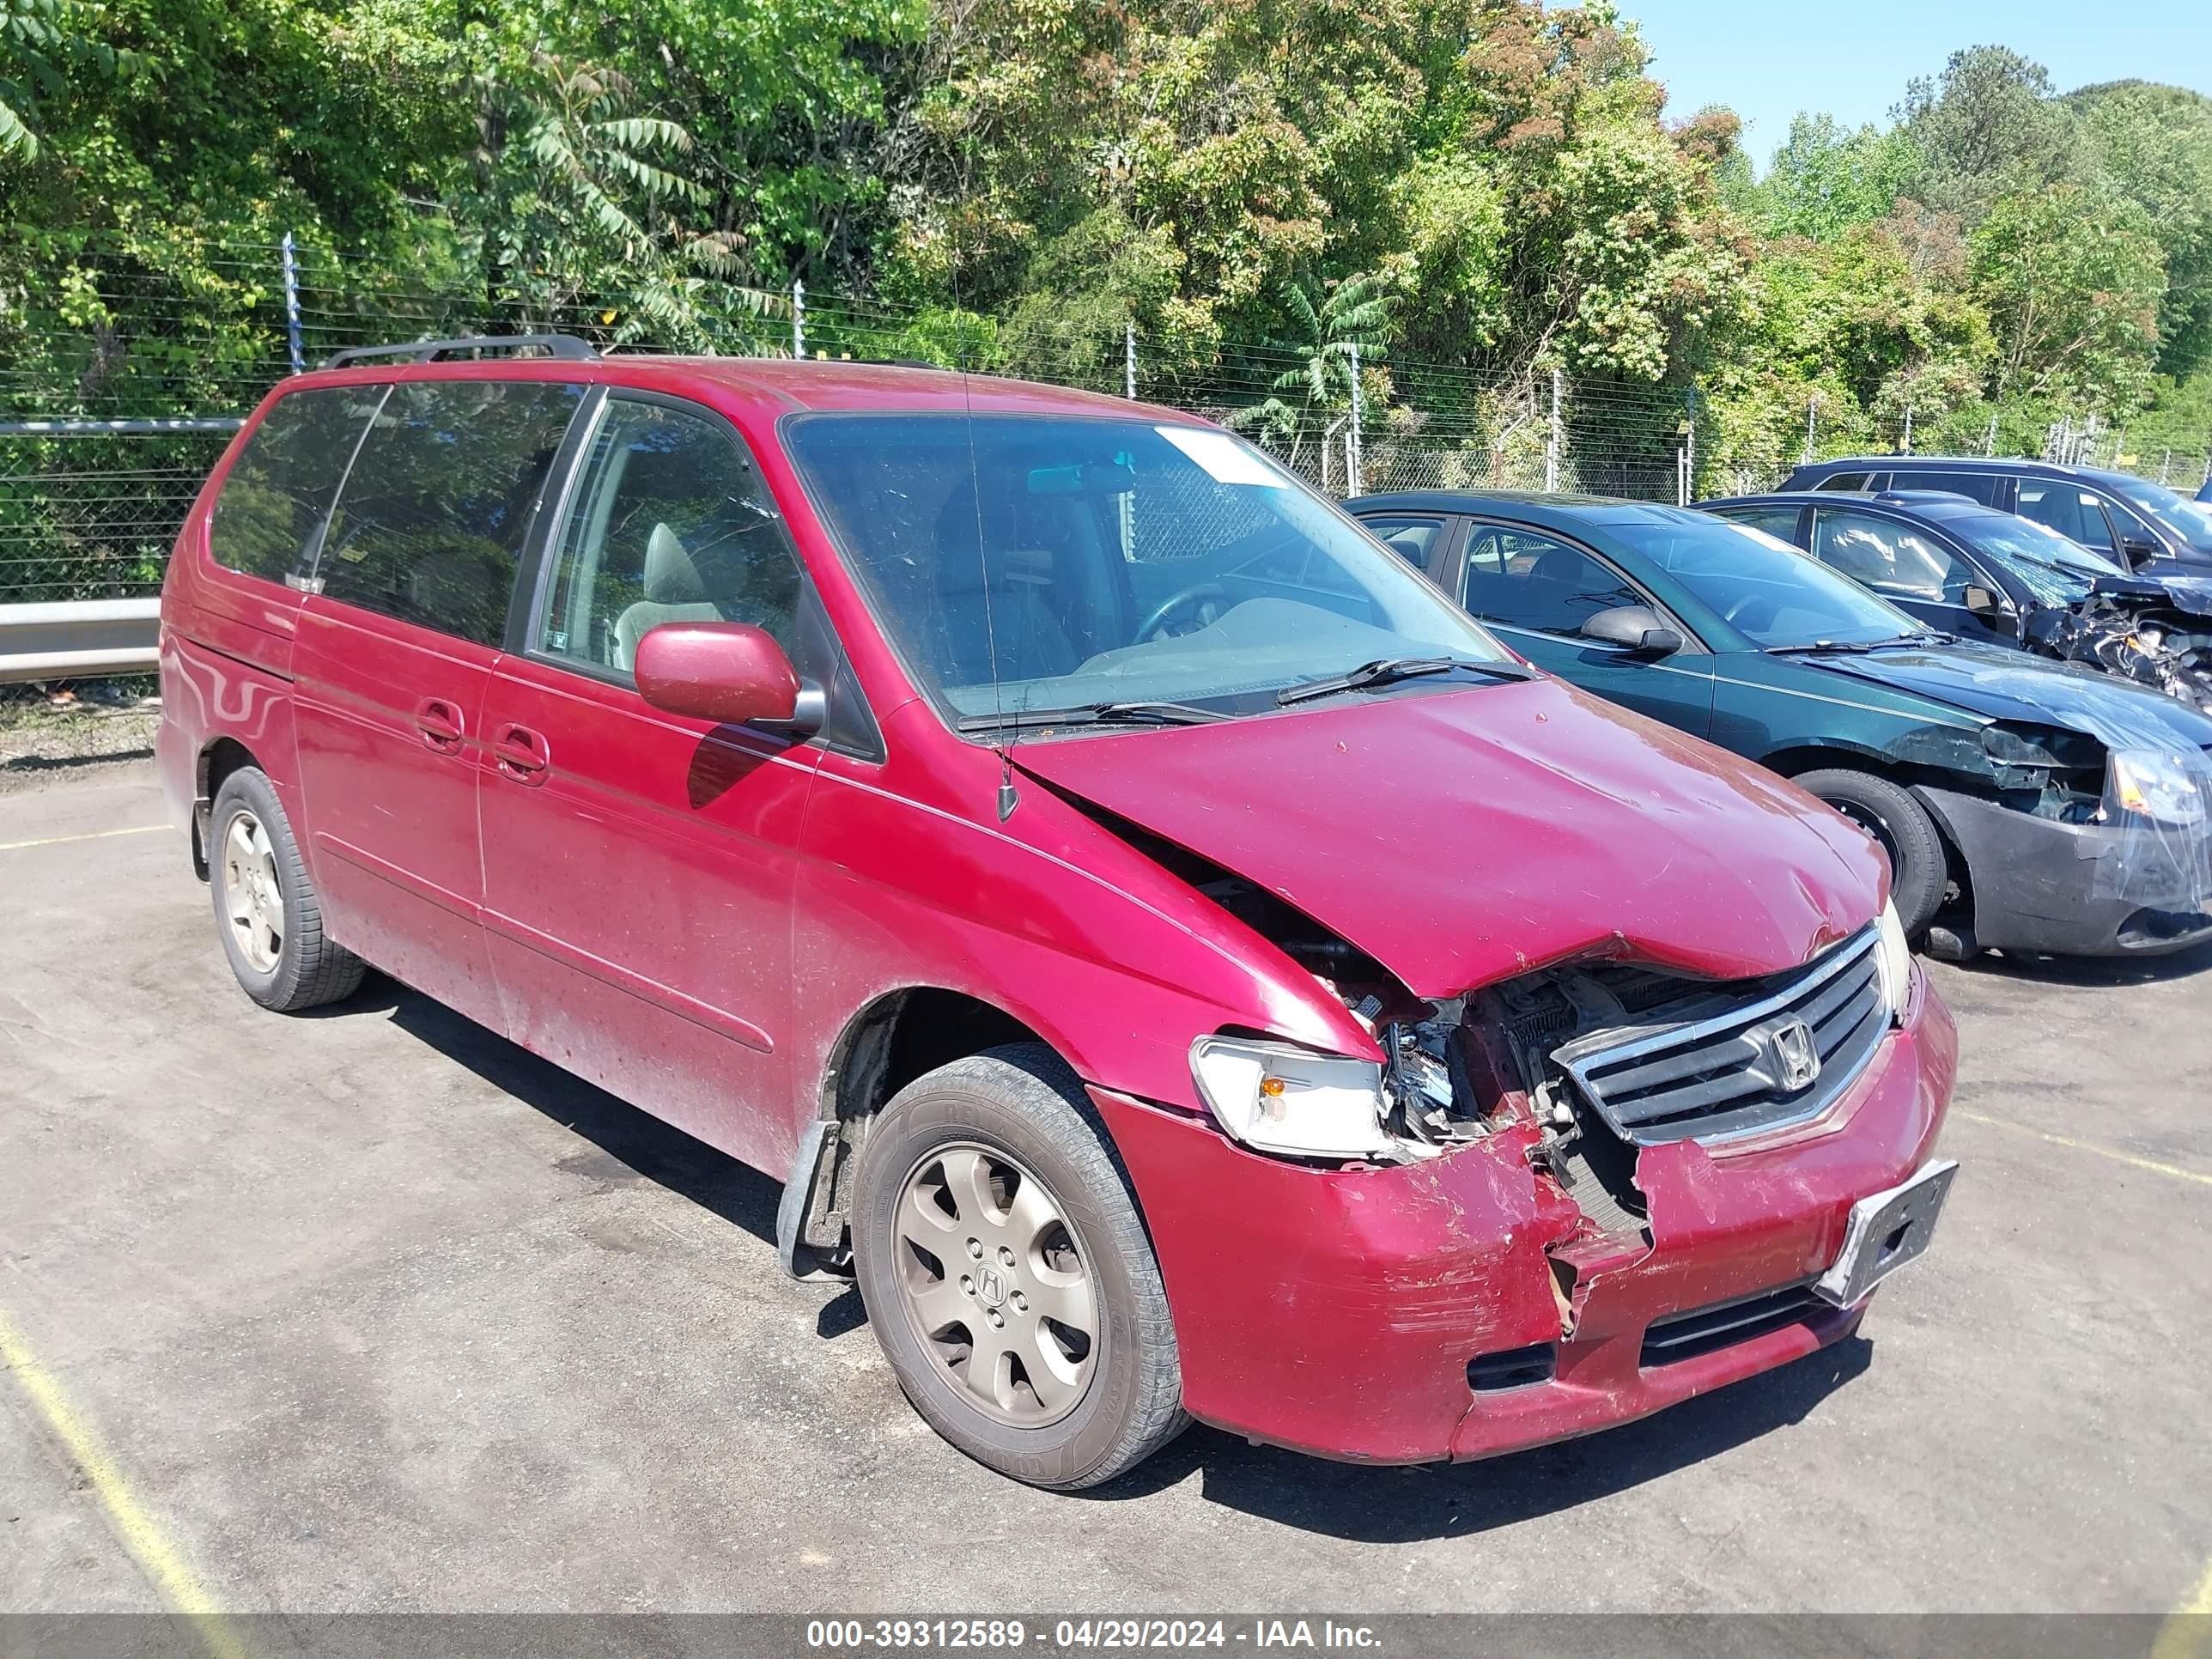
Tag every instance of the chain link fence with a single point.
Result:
(119, 385)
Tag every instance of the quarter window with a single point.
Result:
(1529, 580)
(670, 523)
(1779, 522)
(431, 521)
(273, 506)
(1888, 558)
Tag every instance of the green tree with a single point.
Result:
(2072, 284)
(1826, 178)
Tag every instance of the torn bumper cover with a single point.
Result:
(1416, 1313)
(2092, 889)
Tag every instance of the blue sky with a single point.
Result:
(1767, 61)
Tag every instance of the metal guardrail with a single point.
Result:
(79, 639)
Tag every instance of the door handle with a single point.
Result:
(441, 724)
(521, 754)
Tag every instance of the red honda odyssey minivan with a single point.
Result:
(1178, 963)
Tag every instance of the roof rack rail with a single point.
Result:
(428, 351)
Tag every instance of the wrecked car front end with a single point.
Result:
(2130, 629)
(1621, 1204)
(1643, 1097)
(2081, 806)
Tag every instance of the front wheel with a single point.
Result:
(1900, 826)
(1007, 1276)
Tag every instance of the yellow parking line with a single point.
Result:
(2173, 1171)
(164, 1565)
(2187, 1631)
(90, 835)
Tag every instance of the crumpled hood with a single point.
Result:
(2193, 594)
(2001, 684)
(1461, 837)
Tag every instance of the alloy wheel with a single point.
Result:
(252, 898)
(997, 1284)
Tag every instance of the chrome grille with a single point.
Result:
(1740, 1060)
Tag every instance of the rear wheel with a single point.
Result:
(1007, 1275)
(266, 909)
(1900, 826)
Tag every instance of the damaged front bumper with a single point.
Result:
(2084, 889)
(1455, 1308)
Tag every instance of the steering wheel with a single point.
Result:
(1205, 601)
(1733, 615)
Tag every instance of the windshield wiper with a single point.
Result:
(1388, 671)
(1860, 647)
(1095, 714)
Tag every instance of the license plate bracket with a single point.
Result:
(1887, 1229)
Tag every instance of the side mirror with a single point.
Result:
(1989, 605)
(1633, 627)
(731, 673)
(2140, 552)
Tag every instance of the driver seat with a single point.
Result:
(674, 592)
(1017, 610)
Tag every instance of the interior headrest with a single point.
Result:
(670, 578)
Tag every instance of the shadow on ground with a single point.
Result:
(1361, 1504)
(2092, 970)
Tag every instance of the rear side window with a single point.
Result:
(270, 513)
(1850, 481)
(432, 519)
(1982, 487)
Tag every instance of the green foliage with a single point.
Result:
(1015, 184)
(1826, 178)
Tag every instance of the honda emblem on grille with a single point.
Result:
(1796, 1057)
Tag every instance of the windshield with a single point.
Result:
(1766, 589)
(2190, 520)
(2056, 568)
(1096, 560)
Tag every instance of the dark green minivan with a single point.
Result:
(2026, 806)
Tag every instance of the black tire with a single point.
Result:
(308, 970)
(1021, 1104)
(1918, 870)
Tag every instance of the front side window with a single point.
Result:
(1036, 561)
(670, 522)
(1530, 580)
(1414, 540)
(1767, 590)
(2068, 508)
(431, 521)
(269, 516)
(1888, 557)
(2190, 520)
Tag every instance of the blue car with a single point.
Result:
(2026, 806)
(2138, 523)
(2003, 579)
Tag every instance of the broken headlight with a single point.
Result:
(1893, 959)
(2150, 784)
(1278, 1098)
